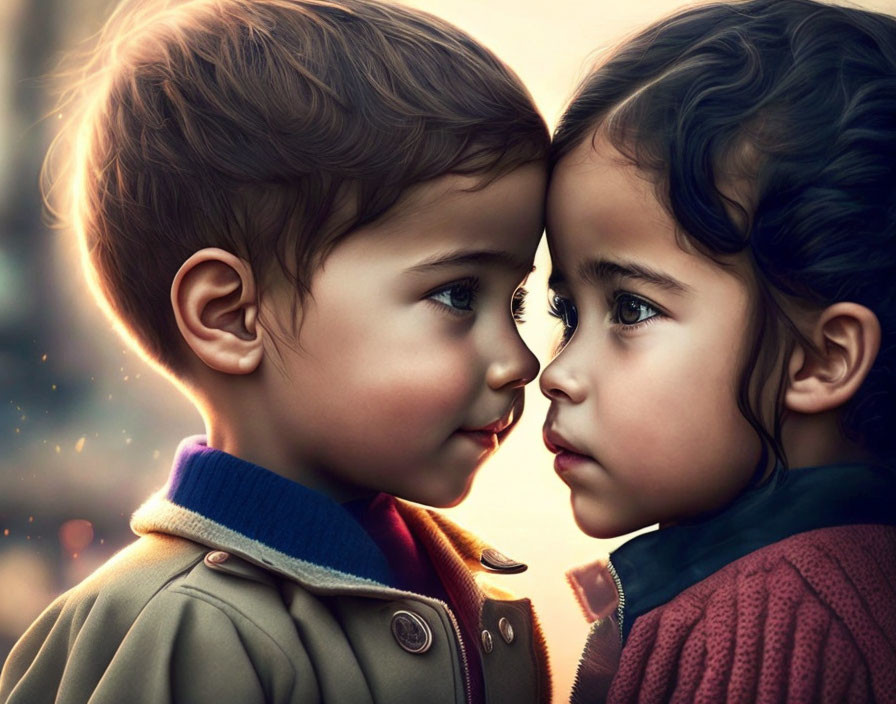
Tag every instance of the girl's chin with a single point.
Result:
(597, 521)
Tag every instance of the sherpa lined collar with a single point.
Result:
(654, 567)
(226, 502)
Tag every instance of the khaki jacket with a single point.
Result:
(184, 615)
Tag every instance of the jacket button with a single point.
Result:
(411, 631)
(496, 561)
(216, 557)
(506, 630)
(488, 644)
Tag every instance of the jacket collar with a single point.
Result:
(654, 567)
(225, 502)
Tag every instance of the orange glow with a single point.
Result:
(75, 535)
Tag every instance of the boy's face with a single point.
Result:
(409, 369)
(643, 412)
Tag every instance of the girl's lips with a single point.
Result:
(566, 461)
(556, 443)
(566, 455)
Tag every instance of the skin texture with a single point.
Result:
(643, 416)
(643, 395)
(398, 360)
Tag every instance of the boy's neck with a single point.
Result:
(254, 446)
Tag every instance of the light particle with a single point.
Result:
(75, 535)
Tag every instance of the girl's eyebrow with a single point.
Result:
(598, 271)
(480, 257)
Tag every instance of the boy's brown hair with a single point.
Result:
(271, 129)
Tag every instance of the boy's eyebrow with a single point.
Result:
(597, 271)
(473, 256)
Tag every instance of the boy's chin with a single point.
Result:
(447, 496)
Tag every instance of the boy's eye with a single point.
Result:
(564, 310)
(518, 304)
(459, 296)
(631, 310)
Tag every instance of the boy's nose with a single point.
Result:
(515, 368)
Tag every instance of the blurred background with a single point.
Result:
(87, 429)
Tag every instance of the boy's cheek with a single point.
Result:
(417, 384)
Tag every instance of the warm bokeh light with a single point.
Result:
(75, 535)
(27, 589)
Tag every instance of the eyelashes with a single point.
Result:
(518, 304)
(460, 298)
(565, 311)
(626, 310)
(631, 311)
(627, 313)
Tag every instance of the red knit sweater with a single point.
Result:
(810, 618)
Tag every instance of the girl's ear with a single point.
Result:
(215, 303)
(847, 339)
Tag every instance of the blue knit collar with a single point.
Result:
(270, 509)
(654, 567)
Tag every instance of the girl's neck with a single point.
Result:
(813, 440)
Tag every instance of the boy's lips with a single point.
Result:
(499, 426)
(490, 435)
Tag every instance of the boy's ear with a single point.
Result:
(215, 303)
(847, 338)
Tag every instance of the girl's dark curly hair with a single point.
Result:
(790, 105)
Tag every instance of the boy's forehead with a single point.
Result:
(442, 197)
(428, 196)
(458, 214)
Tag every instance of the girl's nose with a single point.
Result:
(559, 382)
(516, 367)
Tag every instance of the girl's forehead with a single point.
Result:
(605, 218)
(596, 193)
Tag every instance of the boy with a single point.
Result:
(314, 217)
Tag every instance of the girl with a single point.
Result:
(722, 222)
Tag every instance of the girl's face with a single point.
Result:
(643, 415)
(410, 370)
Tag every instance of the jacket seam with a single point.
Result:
(224, 606)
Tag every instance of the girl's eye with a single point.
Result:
(631, 310)
(518, 304)
(458, 296)
(565, 311)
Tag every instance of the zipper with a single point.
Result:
(620, 607)
(578, 677)
(575, 696)
(463, 652)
